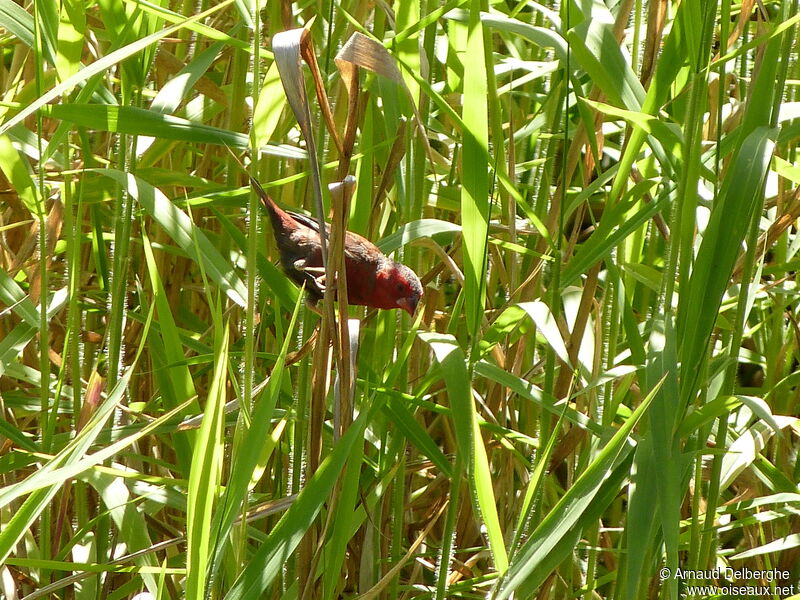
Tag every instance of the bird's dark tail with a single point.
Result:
(281, 220)
(268, 202)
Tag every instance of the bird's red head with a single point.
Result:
(397, 286)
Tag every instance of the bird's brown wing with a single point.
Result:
(355, 246)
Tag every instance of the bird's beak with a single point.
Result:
(408, 304)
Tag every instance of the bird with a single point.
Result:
(373, 279)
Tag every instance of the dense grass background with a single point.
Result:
(601, 199)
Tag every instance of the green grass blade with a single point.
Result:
(249, 451)
(475, 181)
(268, 560)
(456, 375)
(206, 475)
(140, 121)
(102, 65)
(720, 248)
(559, 523)
(181, 229)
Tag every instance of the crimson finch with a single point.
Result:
(373, 279)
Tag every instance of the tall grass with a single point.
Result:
(598, 392)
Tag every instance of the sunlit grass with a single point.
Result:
(599, 384)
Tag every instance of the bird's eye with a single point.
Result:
(400, 287)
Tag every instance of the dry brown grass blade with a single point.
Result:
(287, 47)
(565, 376)
(744, 16)
(656, 20)
(307, 52)
(91, 400)
(54, 223)
(341, 193)
(349, 73)
(395, 156)
(767, 240)
(364, 52)
(290, 48)
(21, 252)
